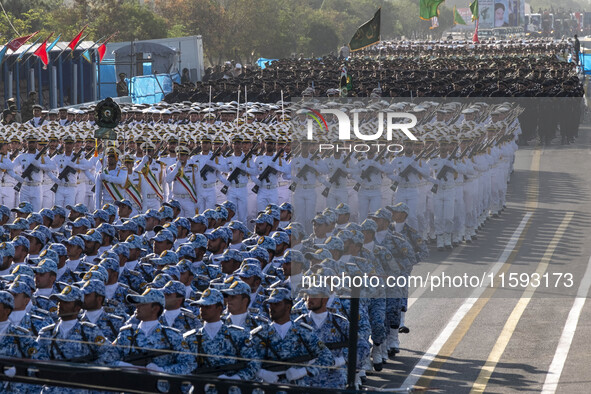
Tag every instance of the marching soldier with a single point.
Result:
(152, 174)
(110, 180)
(183, 178)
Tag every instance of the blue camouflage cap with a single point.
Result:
(164, 235)
(210, 297)
(80, 222)
(400, 207)
(106, 228)
(220, 232)
(342, 209)
(110, 264)
(259, 253)
(35, 218)
(237, 225)
(4, 210)
(320, 219)
(68, 294)
(237, 287)
(296, 229)
(174, 287)
(121, 248)
(7, 249)
(79, 208)
(20, 287)
(330, 215)
(24, 207)
(278, 294)
(44, 230)
(293, 256)
(7, 299)
(229, 205)
(345, 235)
(222, 213)
(267, 243)
(107, 254)
(173, 271)
(93, 286)
(140, 220)
(98, 275)
(286, 207)
(173, 204)
(152, 213)
(183, 222)
(198, 241)
(47, 213)
(92, 235)
(381, 213)
(91, 221)
(275, 213)
(166, 212)
(353, 226)
(185, 250)
(231, 254)
(172, 227)
(111, 209)
(18, 224)
(357, 237)
(125, 202)
(57, 210)
(369, 225)
(160, 280)
(128, 225)
(59, 249)
(199, 219)
(167, 257)
(149, 296)
(319, 254)
(101, 214)
(21, 241)
(263, 218)
(104, 274)
(249, 270)
(280, 237)
(332, 243)
(45, 265)
(186, 265)
(22, 269)
(210, 214)
(134, 242)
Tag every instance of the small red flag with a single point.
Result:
(72, 45)
(15, 44)
(101, 51)
(41, 52)
(475, 39)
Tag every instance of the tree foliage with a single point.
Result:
(242, 30)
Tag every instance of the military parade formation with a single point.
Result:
(190, 244)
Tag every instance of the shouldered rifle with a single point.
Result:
(58, 151)
(220, 368)
(304, 170)
(366, 174)
(207, 168)
(267, 171)
(31, 168)
(410, 169)
(65, 173)
(142, 359)
(338, 174)
(195, 151)
(233, 177)
(275, 367)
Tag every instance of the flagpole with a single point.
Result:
(282, 108)
(245, 105)
(91, 47)
(33, 54)
(24, 52)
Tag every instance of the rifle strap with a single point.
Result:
(55, 349)
(85, 339)
(308, 349)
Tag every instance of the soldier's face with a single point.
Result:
(67, 310)
(237, 304)
(211, 313)
(91, 301)
(315, 304)
(279, 310)
(146, 312)
(43, 281)
(4, 312)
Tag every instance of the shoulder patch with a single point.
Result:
(236, 327)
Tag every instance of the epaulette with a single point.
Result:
(305, 325)
(338, 315)
(188, 313)
(126, 327)
(262, 318)
(255, 331)
(21, 329)
(115, 316)
(44, 298)
(123, 285)
(109, 309)
(301, 317)
(42, 311)
(254, 311)
(37, 317)
(236, 327)
(189, 333)
(88, 324)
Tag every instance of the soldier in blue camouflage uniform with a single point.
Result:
(71, 339)
(220, 345)
(16, 342)
(115, 291)
(174, 314)
(252, 275)
(23, 315)
(134, 344)
(94, 296)
(287, 339)
(237, 297)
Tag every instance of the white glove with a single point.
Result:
(10, 372)
(231, 377)
(267, 376)
(154, 367)
(294, 373)
(124, 364)
(339, 361)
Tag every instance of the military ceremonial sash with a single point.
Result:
(182, 179)
(112, 189)
(133, 193)
(153, 182)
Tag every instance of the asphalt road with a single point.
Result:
(511, 337)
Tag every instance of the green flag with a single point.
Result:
(458, 20)
(474, 9)
(428, 9)
(367, 34)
